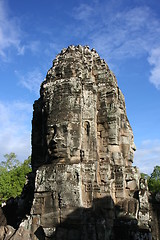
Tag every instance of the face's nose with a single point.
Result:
(133, 146)
(57, 137)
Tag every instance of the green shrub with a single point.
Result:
(13, 176)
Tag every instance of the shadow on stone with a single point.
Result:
(99, 222)
(40, 233)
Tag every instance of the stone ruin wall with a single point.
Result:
(82, 143)
(85, 186)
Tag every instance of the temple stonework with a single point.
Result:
(83, 149)
(82, 153)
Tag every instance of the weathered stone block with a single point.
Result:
(48, 220)
(132, 185)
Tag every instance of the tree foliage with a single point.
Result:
(145, 176)
(154, 180)
(12, 176)
(11, 161)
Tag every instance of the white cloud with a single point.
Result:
(154, 61)
(31, 80)
(15, 129)
(129, 33)
(12, 36)
(32, 46)
(9, 32)
(147, 155)
(120, 33)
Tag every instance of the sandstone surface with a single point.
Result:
(82, 154)
(82, 149)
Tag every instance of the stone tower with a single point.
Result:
(82, 152)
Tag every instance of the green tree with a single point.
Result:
(154, 180)
(145, 176)
(13, 176)
(11, 161)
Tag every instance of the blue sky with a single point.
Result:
(125, 33)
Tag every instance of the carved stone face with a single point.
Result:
(62, 129)
(79, 96)
(81, 125)
(57, 142)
